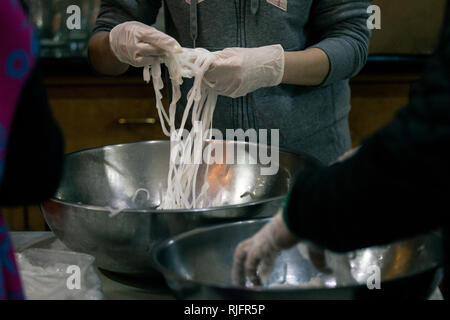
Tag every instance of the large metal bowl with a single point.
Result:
(109, 177)
(197, 265)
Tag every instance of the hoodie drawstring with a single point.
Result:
(193, 21)
(254, 6)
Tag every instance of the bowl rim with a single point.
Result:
(168, 273)
(313, 160)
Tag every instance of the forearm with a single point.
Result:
(339, 28)
(309, 67)
(395, 187)
(327, 210)
(35, 149)
(102, 58)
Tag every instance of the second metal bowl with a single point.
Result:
(197, 265)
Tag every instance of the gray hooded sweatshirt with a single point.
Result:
(313, 120)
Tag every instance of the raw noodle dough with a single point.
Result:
(186, 153)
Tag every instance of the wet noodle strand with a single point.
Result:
(185, 151)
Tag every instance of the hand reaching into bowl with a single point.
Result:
(254, 258)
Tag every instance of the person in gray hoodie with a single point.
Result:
(281, 64)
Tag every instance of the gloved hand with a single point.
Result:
(316, 255)
(238, 71)
(137, 44)
(254, 258)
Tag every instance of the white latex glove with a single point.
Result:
(137, 44)
(254, 258)
(238, 71)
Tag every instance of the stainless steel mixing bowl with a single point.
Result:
(109, 177)
(197, 265)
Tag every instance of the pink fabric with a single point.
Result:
(10, 283)
(18, 50)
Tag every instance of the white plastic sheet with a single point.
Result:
(58, 275)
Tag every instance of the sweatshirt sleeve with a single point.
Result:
(339, 28)
(35, 156)
(114, 12)
(396, 186)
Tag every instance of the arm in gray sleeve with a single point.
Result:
(114, 12)
(340, 26)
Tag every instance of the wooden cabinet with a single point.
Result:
(88, 110)
(100, 111)
(375, 100)
(407, 27)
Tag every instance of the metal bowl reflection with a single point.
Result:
(197, 265)
(109, 176)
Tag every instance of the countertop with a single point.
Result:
(112, 290)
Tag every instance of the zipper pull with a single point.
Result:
(193, 21)
(254, 6)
